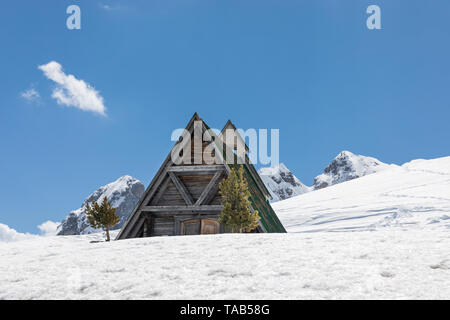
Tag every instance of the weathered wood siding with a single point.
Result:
(196, 184)
(163, 226)
(170, 196)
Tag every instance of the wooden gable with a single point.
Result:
(183, 197)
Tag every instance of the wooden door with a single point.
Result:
(190, 227)
(209, 226)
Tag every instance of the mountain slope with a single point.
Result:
(281, 183)
(348, 166)
(416, 194)
(124, 193)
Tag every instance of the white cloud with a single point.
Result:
(48, 228)
(71, 91)
(111, 7)
(8, 234)
(30, 95)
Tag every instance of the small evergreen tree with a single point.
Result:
(102, 216)
(236, 212)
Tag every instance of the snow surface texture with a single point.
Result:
(281, 183)
(416, 194)
(399, 249)
(390, 263)
(124, 194)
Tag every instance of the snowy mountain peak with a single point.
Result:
(281, 183)
(412, 196)
(124, 194)
(114, 191)
(348, 166)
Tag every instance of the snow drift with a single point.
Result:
(387, 264)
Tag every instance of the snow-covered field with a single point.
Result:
(390, 263)
(382, 236)
(415, 195)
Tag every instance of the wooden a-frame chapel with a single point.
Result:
(183, 199)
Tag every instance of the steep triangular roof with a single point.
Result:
(135, 220)
(254, 172)
(259, 194)
(269, 222)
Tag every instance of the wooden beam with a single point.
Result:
(197, 169)
(183, 214)
(211, 194)
(182, 189)
(146, 231)
(136, 227)
(153, 188)
(208, 188)
(163, 188)
(181, 208)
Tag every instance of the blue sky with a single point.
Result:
(309, 68)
